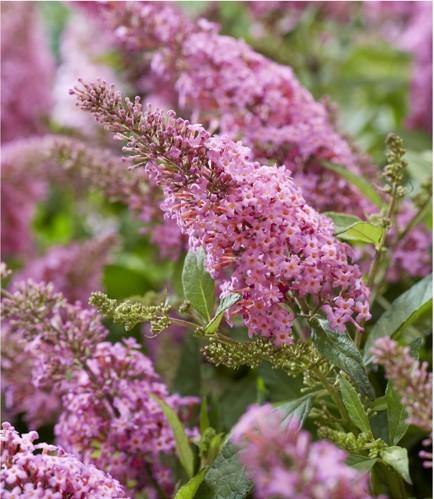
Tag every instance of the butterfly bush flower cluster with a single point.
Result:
(409, 25)
(75, 270)
(224, 83)
(61, 159)
(30, 470)
(284, 463)
(409, 377)
(27, 70)
(107, 414)
(218, 196)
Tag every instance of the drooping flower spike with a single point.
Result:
(284, 463)
(223, 82)
(108, 416)
(261, 238)
(31, 470)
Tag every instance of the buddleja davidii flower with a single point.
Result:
(283, 462)
(108, 415)
(62, 159)
(410, 378)
(222, 81)
(56, 334)
(128, 439)
(251, 220)
(409, 26)
(75, 270)
(32, 470)
(27, 69)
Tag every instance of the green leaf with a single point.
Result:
(226, 478)
(188, 491)
(339, 349)
(188, 377)
(298, 409)
(351, 228)
(183, 448)
(362, 185)
(225, 304)
(403, 312)
(396, 415)
(353, 405)
(197, 283)
(362, 463)
(397, 458)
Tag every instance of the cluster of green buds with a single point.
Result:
(424, 195)
(293, 359)
(394, 171)
(134, 311)
(363, 442)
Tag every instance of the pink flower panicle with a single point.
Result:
(218, 197)
(283, 462)
(409, 26)
(107, 414)
(75, 270)
(32, 471)
(126, 436)
(27, 69)
(61, 159)
(224, 83)
(410, 378)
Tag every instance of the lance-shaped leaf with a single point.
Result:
(339, 349)
(182, 445)
(362, 185)
(408, 307)
(397, 458)
(298, 409)
(197, 283)
(354, 406)
(225, 304)
(188, 491)
(352, 229)
(396, 415)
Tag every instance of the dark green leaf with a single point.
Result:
(298, 409)
(226, 478)
(188, 491)
(225, 304)
(188, 379)
(183, 449)
(340, 350)
(353, 405)
(280, 386)
(397, 458)
(362, 185)
(404, 311)
(362, 463)
(396, 415)
(197, 283)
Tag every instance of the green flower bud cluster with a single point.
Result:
(133, 311)
(424, 195)
(364, 442)
(293, 359)
(394, 171)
